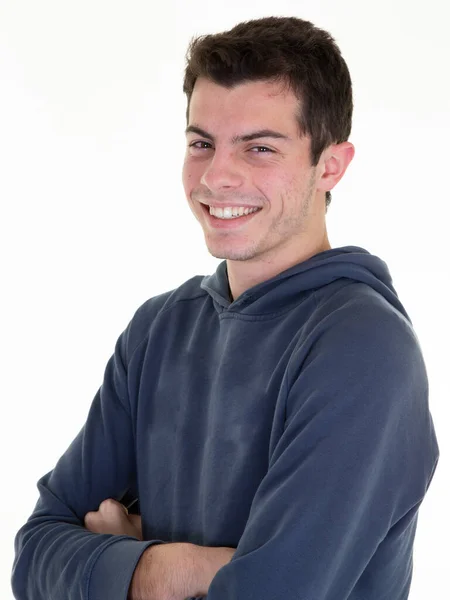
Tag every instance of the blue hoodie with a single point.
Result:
(292, 424)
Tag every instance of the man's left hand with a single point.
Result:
(113, 518)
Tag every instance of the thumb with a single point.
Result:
(112, 508)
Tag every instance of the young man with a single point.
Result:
(272, 419)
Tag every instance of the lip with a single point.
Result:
(222, 205)
(216, 223)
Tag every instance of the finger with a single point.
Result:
(111, 508)
(87, 518)
(93, 521)
(109, 503)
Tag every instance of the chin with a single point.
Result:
(231, 254)
(230, 250)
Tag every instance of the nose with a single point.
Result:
(222, 173)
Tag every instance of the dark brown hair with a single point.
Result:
(289, 50)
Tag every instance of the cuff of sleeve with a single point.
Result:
(112, 572)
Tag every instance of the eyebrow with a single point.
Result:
(248, 137)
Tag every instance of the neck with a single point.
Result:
(243, 275)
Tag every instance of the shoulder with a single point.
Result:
(144, 317)
(355, 334)
(358, 312)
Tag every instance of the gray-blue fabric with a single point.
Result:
(292, 424)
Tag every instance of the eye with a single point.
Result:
(260, 150)
(200, 145)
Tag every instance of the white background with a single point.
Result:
(94, 219)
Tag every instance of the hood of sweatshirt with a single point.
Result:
(349, 262)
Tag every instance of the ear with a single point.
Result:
(333, 164)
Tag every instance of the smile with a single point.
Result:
(231, 212)
(228, 218)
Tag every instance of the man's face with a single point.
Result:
(243, 150)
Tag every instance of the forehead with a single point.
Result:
(259, 103)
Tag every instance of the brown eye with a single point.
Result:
(200, 145)
(260, 149)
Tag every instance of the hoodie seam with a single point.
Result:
(200, 295)
(225, 314)
(268, 316)
(243, 317)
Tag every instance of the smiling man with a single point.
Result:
(269, 423)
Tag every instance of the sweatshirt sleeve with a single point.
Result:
(55, 556)
(354, 460)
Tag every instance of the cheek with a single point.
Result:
(269, 183)
(190, 175)
(186, 176)
(290, 183)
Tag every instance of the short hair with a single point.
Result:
(284, 49)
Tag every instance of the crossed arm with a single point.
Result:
(166, 571)
(347, 474)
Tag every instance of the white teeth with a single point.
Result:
(231, 212)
